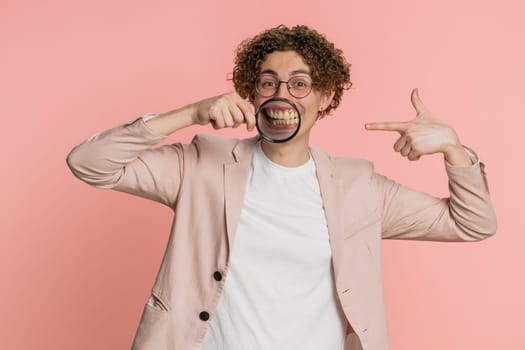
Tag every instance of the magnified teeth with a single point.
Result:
(291, 121)
(282, 117)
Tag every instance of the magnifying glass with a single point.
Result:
(278, 120)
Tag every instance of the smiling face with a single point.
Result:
(283, 66)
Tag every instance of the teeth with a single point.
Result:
(282, 117)
(284, 121)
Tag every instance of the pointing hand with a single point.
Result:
(422, 135)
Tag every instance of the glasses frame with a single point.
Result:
(279, 82)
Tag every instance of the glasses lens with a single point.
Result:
(300, 86)
(266, 85)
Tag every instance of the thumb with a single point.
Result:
(416, 102)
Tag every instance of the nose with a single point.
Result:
(282, 91)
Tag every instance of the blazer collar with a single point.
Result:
(338, 184)
(243, 151)
(236, 174)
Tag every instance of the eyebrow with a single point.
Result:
(295, 72)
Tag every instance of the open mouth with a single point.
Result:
(281, 116)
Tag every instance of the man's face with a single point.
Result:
(285, 65)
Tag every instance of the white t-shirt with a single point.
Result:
(279, 292)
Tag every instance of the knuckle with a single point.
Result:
(213, 110)
(224, 100)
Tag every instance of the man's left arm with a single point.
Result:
(466, 215)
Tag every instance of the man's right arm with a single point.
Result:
(121, 158)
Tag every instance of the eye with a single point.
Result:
(300, 83)
(267, 83)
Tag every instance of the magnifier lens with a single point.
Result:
(278, 120)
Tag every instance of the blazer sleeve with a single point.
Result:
(122, 158)
(466, 215)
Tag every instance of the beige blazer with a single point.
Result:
(204, 181)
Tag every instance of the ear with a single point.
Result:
(326, 100)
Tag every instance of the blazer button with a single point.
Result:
(204, 316)
(217, 276)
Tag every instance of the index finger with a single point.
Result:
(248, 111)
(387, 126)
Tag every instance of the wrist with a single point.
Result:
(169, 122)
(456, 155)
(193, 113)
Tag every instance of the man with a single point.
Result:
(277, 245)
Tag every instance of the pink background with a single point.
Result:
(77, 263)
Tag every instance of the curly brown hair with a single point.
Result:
(329, 69)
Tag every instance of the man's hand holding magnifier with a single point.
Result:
(223, 111)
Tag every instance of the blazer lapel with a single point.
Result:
(235, 177)
(332, 196)
(345, 201)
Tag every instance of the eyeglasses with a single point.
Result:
(298, 86)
